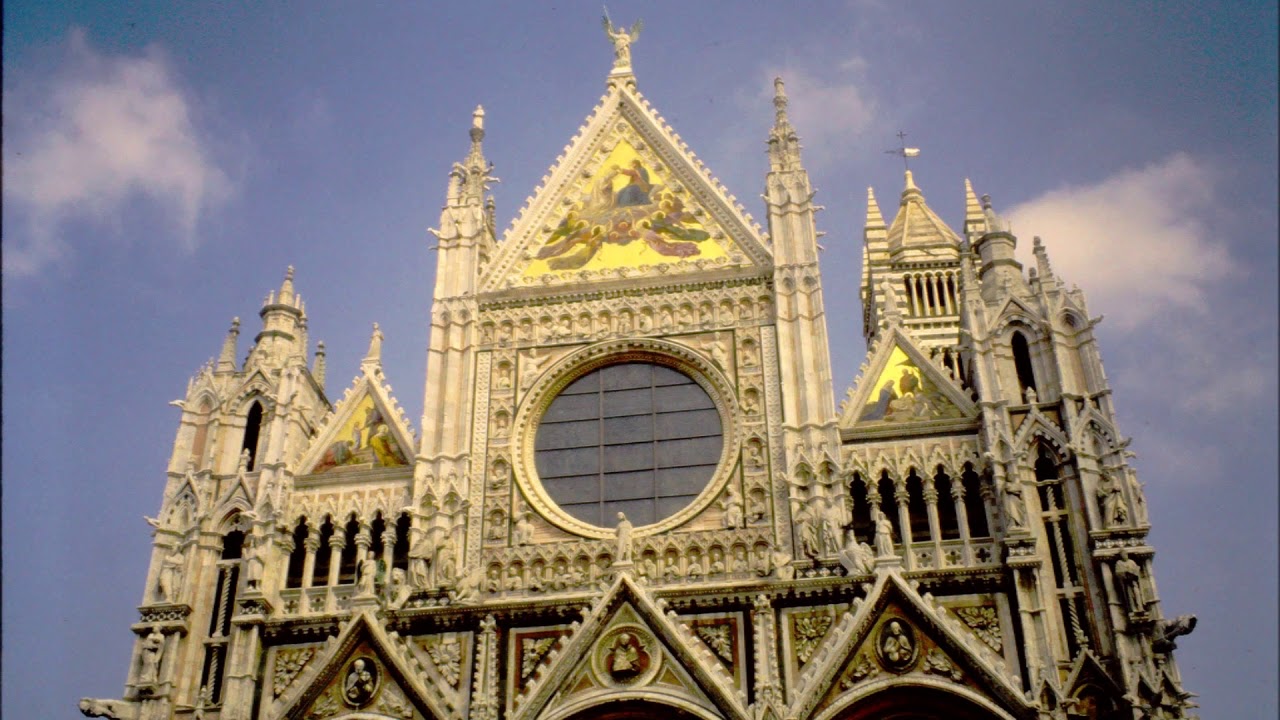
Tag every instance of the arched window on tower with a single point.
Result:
(889, 504)
(1022, 363)
(324, 553)
(347, 569)
(400, 556)
(917, 511)
(862, 528)
(252, 428)
(224, 600)
(1066, 571)
(948, 519)
(975, 509)
(298, 556)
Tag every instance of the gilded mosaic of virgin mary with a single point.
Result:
(640, 210)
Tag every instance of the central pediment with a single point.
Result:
(626, 200)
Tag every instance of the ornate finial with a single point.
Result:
(477, 126)
(288, 274)
(904, 152)
(318, 367)
(780, 102)
(621, 39)
(375, 345)
(227, 358)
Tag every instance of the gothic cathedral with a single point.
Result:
(632, 493)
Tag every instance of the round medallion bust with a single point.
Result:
(645, 428)
(360, 683)
(626, 656)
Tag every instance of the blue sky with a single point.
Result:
(165, 163)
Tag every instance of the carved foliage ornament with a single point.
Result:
(984, 622)
(288, 664)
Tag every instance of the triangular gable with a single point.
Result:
(625, 646)
(895, 637)
(1087, 672)
(365, 431)
(626, 200)
(902, 387)
(358, 671)
(1015, 308)
(1037, 423)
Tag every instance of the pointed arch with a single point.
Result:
(252, 432)
(1022, 362)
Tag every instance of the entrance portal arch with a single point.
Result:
(914, 703)
(632, 709)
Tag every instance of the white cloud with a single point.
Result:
(829, 110)
(1136, 241)
(102, 132)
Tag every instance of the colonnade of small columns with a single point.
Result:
(931, 293)
(920, 520)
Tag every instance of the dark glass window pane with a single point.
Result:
(634, 437)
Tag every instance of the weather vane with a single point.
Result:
(903, 151)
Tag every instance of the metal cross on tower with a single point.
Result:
(903, 151)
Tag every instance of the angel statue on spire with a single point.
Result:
(622, 39)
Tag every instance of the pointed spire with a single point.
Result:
(995, 223)
(477, 135)
(469, 179)
(780, 104)
(784, 143)
(318, 367)
(874, 218)
(286, 288)
(374, 355)
(974, 221)
(1042, 260)
(227, 358)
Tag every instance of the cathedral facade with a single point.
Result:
(633, 494)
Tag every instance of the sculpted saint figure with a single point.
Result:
(368, 574)
(1130, 577)
(732, 504)
(1110, 500)
(1014, 507)
(169, 585)
(523, 533)
(884, 535)
(624, 538)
